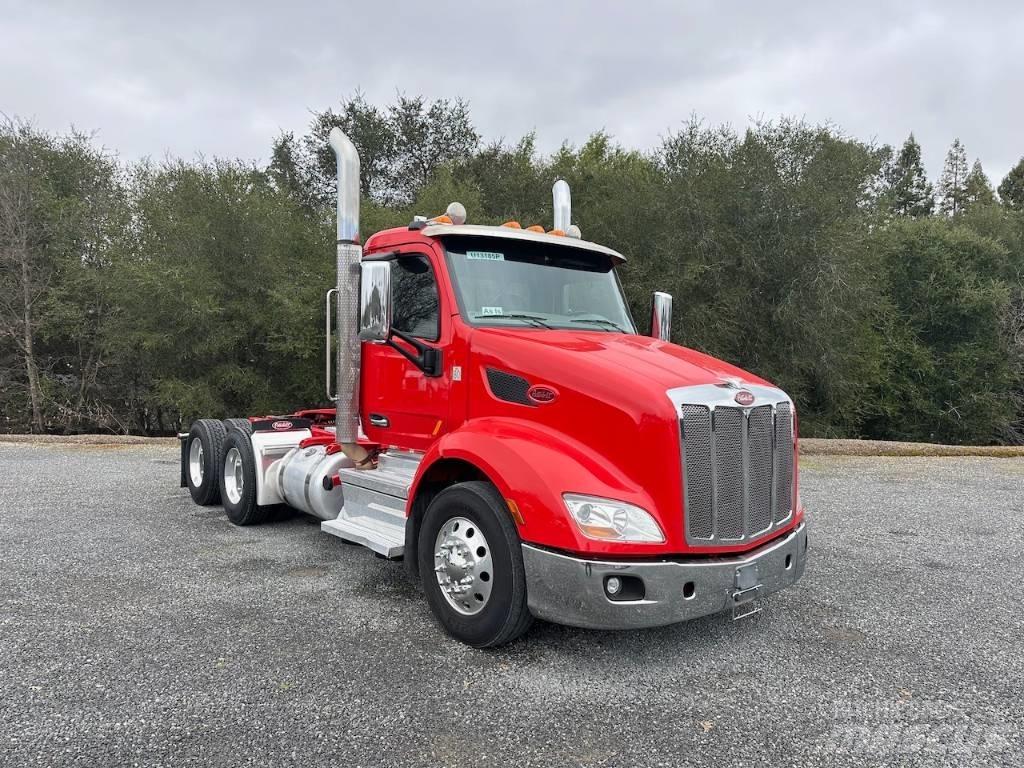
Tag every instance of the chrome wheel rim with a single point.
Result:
(463, 566)
(234, 480)
(195, 463)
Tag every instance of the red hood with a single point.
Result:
(611, 411)
(611, 404)
(637, 358)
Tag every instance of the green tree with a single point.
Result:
(511, 180)
(977, 188)
(764, 244)
(137, 301)
(374, 137)
(428, 137)
(953, 182)
(949, 370)
(223, 296)
(61, 214)
(908, 192)
(1011, 188)
(288, 170)
(1005, 225)
(399, 148)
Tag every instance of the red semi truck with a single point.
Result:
(500, 425)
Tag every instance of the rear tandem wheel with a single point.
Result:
(237, 478)
(203, 451)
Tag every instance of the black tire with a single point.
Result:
(241, 424)
(242, 510)
(505, 616)
(209, 434)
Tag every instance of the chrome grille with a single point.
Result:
(783, 463)
(727, 424)
(697, 442)
(759, 469)
(737, 463)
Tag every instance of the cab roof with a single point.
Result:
(511, 233)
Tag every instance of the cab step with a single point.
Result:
(387, 540)
(374, 511)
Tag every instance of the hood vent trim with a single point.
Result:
(509, 387)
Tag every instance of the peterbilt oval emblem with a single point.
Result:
(542, 395)
(744, 397)
(282, 425)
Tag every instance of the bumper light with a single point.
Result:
(610, 520)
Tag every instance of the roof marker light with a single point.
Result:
(512, 225)
(536, 228)
(556, 232)
(456, 212)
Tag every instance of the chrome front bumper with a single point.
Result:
(571, 590)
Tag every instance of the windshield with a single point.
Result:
(525, 284)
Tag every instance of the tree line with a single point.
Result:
(135, 297)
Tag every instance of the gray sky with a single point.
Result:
(223, 78)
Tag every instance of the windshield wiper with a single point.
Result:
(536, 322)
(601, 321)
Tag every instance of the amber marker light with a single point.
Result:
(516, 514)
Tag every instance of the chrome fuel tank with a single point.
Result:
(301, 476)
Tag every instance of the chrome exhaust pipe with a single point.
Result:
(562, 201)
(661, 316)
(348, 185)
(349, 256)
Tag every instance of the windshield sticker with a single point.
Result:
(484, 311)
(485, 256)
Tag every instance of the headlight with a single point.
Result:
(610, 520)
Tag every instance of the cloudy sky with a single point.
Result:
(222, 78)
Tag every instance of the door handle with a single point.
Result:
(379, 421)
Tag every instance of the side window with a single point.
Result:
(414, 302)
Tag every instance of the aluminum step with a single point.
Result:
(385, 481)
(374, 511)
(388, 541)
(399, 462)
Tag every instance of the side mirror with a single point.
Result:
(375, 301)
(661, 316)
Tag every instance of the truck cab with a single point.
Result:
(507, 431)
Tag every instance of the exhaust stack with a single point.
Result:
(562, 200)
(349, 255)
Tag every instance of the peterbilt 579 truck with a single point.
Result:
(500, 425)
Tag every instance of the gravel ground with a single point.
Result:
(809, 446)
(139, 629)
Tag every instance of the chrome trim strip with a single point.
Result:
(712, 457)
(745, 465)
(775, 464)
(792, 472)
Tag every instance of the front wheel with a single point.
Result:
(471, 562)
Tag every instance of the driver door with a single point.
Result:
(401, 404)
